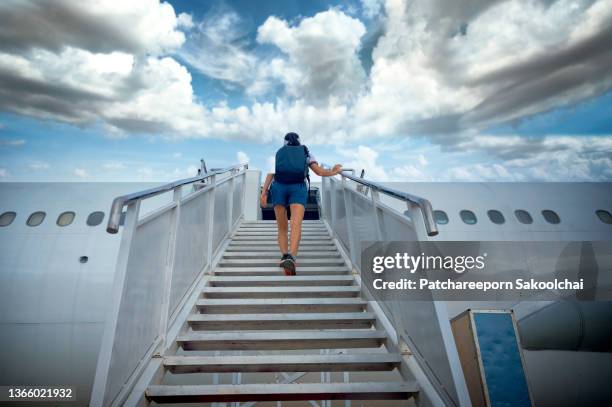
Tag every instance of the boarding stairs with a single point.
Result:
(202, 313)
(252, 319)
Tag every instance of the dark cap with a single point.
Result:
(292, 139)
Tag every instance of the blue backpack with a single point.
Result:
(291, 164)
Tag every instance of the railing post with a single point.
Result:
(377, 220)
(323, 197)
(348, 205)
(211, 218)
(230, 203)
(332, 198)
(108, 339)
(169, 269)
(243, 193)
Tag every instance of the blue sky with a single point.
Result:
(418, 91)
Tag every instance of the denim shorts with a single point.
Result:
(287, 194)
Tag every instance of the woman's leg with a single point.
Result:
(281, 222)
(297, 215)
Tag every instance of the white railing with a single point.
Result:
(161, 258)
(353, 210)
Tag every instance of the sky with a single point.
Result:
(409, 90)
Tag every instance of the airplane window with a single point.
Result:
(7, 218)
(496, 216)
(604, 216)
(468, 217)
(523, 216)
(441, 217)
(95, 218)
(65, 218)
(551, 216)
(36, 218)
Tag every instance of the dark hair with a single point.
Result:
(292, 139)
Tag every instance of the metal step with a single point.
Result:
(226, 322)
(280, 292)
(273, 222)
(267, 281)
(274, 242)
(272, 238)
(281, 392)
(274, 234)
(232, 248)
(278, 271)
(276, 255)
(280, 305)
(282, 340)
(321, 231)
(274, 262)
(283, 363)
(274, 227)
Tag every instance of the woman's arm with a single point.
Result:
(264, 191)
(322, 172)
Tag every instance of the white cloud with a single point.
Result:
(81, 173)
(113, 72)
(372, 8)
(166, 103)
(4, 173)
(409, 173)
(135, 26)
(217, 48)
(11, 142)
(322, 60)
(366, 158)
(553, 158)
(242, 157)
(441, 69)
(39, 166)
(177, 155)
(267, 122)
(113, 166)
(442, 66)
(161, 174)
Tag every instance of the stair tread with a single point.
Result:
(280, 278)
(262, 222)
(272, 238)
(283, 363)
(283, 301)
(277, 255)
(285, 316)
(300, 261)
(274, 248)
(278, 335)
(274, 242)
(282, 391)
(276, 268)
(277, 271)
(281, 321)
(282, 289)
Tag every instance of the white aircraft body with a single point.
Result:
(56, 282)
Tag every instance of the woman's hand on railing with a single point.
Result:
(337, 169)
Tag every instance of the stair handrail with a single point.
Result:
(423, 204)
(119, 202)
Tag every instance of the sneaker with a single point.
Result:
(288, 263)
